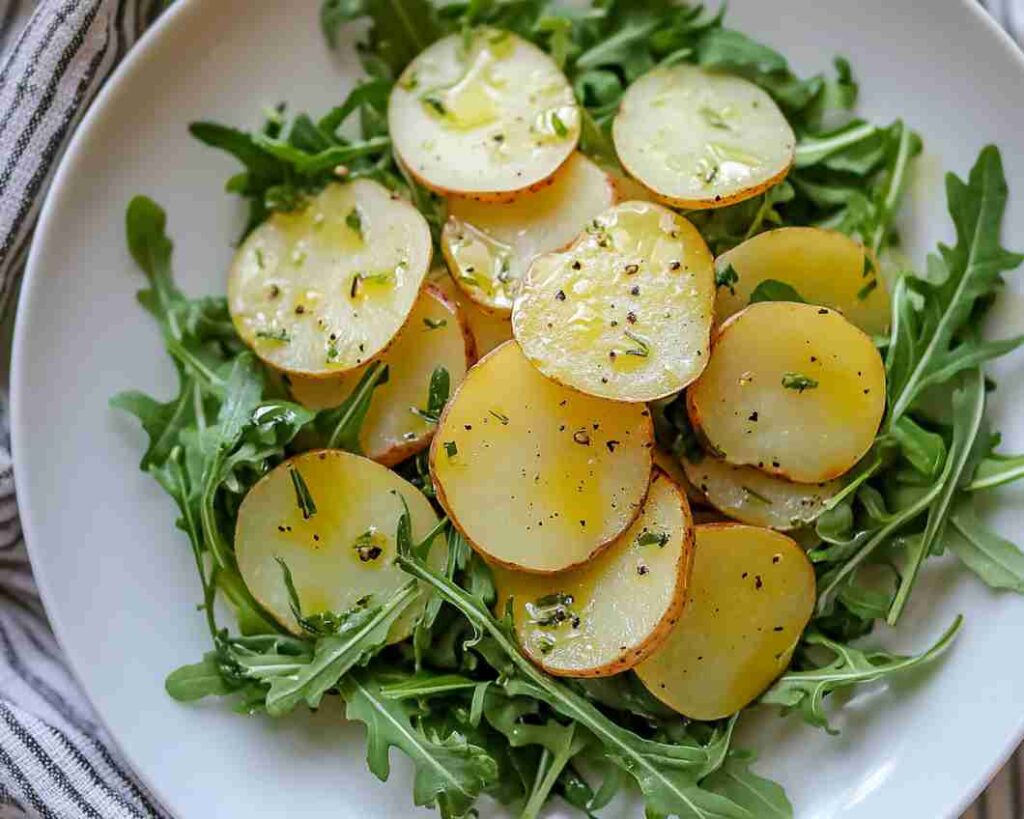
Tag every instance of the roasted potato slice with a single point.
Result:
(489, 247)
(609, 614)
(325, 289)
(793, 389)
(436, 335)
(750, 597)
(749, 495)
(824, 267)
(625, 312)
(338, 542)
(537, 476)
(488, 119)
(488, 330)
(700, 139)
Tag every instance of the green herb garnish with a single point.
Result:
(798, 382)
(303, 498)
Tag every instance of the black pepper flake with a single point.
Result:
(299, 310)
(275, 291)
(675, 265)
(560, 295)
(316, 538)
(776, 559)
(280, 528)
(604, 379)
(777, 628)
(753, 416)
(612, 444)
(635, 290)
(631, 317)
(823, 312)
(468, 427)
(758, 582)
(576, 265)
(642, 569)
(632, 269)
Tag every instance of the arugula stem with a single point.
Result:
(1003, 470)
(807, 153)
(897, 182)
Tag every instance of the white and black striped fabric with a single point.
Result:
(56, 761)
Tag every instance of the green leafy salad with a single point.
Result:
(568, 397)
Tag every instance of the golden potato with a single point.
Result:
(793, 389)
(489, 247)
(625, 312)
(488, 122)
(702, 139)
(325, 289)
(750, 597)
(435, 336)
(488, 330)
(340, 547)
(609, 614)
(752, 496)
(824, 267)
(537, 476)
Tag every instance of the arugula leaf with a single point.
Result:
(806, 690)
(341, 425)
(996, 470)
(774, 290)
(450, 772)
(202, 679)
(994, 559)
(735, 781)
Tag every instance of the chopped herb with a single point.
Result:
(354, 220)
(259, 258)
(558, 125)
(869, 266)
(435, 324)
(303, 499)
(714, 118)
(410, 82)
(545, 643)
(435, 104)
(643, 348)
(380, 278)
(867, 289)
(649, 538)
(727, 277)
(281, 334)
(552, 610)
(774, 290)
(450, 449)
(798, 382)
(756, 495)
(437, 396)
(369, 545)
(501, 417)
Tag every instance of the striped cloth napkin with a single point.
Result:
(55, 759)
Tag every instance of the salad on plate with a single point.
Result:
(568, 397)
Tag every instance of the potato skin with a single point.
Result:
(435, 453)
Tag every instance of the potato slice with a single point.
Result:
(489, 247)
(750, 597)
(608, 615)
(625, 312)
(486, 121)
(488, 330)
(436, 335)
(752, 496)
(700, 139)
(823, 266)
(793, 389)
(342, 555)
(325, 289)
(538, 476)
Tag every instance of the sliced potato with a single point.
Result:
(700, 139)
(625, 312)
(823, 266)
(750, 597)
(749, 495)
(793, 389)
(435, 336)
(486, 121)
(488, 330)
(538, 476)
(325, 289)
(488, 246)
(343, 554)
(608, 615)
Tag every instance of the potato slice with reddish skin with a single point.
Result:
(488, 247)
(326, 289)
(436, 335)
(823, 266)
(488, 122)
(609, 614)
(625, 312)
(749, 495)
(488, 330)
(751, 594)
(793, 389)
(537, 476)
(343, 555)
(701, 139)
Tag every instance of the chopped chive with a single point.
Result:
(643, 348)
(435, 324)
(500, 417)
(303, 498)
(798, 382)
(450, 449)
(354, 221)
(756, 495)
(280, 334)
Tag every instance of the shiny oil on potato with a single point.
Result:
(488, 247)
(793, 389)
(609, 614)
(537, 476)
(701, 139)
(625, 312)
(823, 267)
(396, 425)
(325, 289)
(338, 544)
(487, 121)
(749, 495)
(489, 330)
(750, 597)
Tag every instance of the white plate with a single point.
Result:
(117, 578)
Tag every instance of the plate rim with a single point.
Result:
(34, 277)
